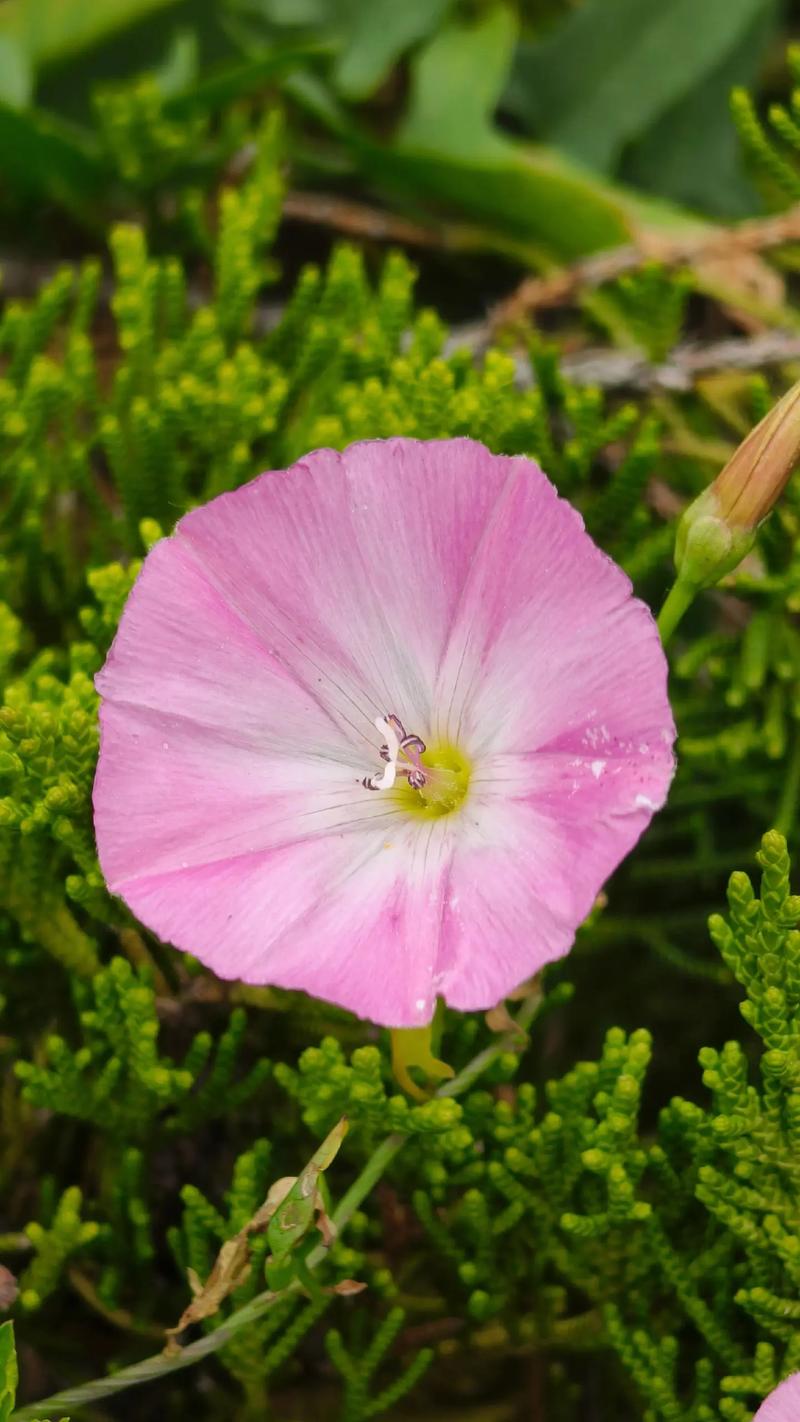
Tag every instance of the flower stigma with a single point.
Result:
(429, 787)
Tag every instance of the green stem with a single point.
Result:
(159, 1366)
(787, 808)
(508, 1042)
(679, 599)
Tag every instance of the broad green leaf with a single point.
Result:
(382, 31)
(16, 73)
(608, 72)
(709, 176)
(449, 154)
(448, 147)
(526, 193)
(457, 80)
(9, 1374)
(293, 14)
(51, 30)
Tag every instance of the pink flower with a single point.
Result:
(430, 598)
(782, 1405)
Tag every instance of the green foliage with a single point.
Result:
(645, 309)
(357, 1373)
(535, 1210)
(118, 1081)
(773, 147)
(550, 1214)
(581, 89)
(254, 1355)
(162, 110)
(53, 1244)
(9, 1373)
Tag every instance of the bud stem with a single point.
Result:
(678, 601)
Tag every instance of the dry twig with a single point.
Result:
(705, 249)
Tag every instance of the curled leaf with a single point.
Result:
(347, 1287)
(294, 1216)
(286, 1214)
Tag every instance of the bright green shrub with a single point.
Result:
(568, 1204)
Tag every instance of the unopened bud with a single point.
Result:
(719, 528)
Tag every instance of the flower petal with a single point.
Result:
(436, 582)
(546, 832)
(209, 746)
(547, 641)
(369, 553)
(344, 917)
(782, 1405)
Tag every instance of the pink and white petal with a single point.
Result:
(548, 641)
(172, 794)
(338, 917)
(498, 926)
(598, 787)
(258, 646)
(540, 836)
(181, 650)
(782, 1405)
(369, 552)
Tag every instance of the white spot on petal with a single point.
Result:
(643, 802)
(598, 766)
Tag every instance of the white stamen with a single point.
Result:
(392, 738)
(387, 779)
(401, 754)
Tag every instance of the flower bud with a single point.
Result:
(719, 528)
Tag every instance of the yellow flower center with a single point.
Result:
(447, 774)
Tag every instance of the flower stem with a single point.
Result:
(679, 599)
(150, 1369)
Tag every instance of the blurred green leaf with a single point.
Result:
(447, 150)
(53, 29)
(46, 157)
(710, 174)
(294, 14)
(236, 80)
(16, 73)
(615, 66)
(527, 193)
(179, 68)
(8, 1371)
(381, 32)
(448, 147)
(457, 80)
